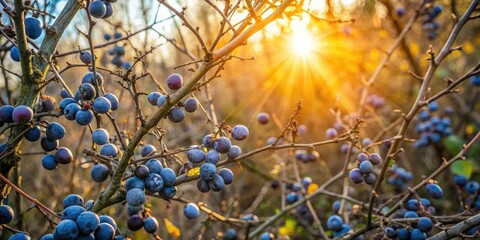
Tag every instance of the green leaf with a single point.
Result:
(463, 167)
(453, 144)
(474, 151)
(391, 162)
(291, 223)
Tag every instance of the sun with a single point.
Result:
(302, 42)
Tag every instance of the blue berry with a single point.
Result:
(375, 159)
(191, 211)
(410, 214)
(202, 185)
(222, 145)
(154, 182)
(20, 236)
(55, 131)
(227, 175)
(6, 214)
(263, 118)
(416, 234)
(370, 179)
(191, 105)
(344, 230)
(71, 110)
(86, 91)
(334, 223)
(86, 57)
(67, 230)
(434, 191)
(109, 150)
(239, 132)
(64, 155)
(472, 187)
(366, 167)
(97, 9)
(234, 151)
(331, 133)
(100, 136)
(161, 100)
(109, 10)
(135, 197)
(460, 180)
(113, 100)
(33, 27)
(15, 54)
(208, 141)
(135, 182)
(72, 200)
(356, 176)
(72, 212)
(403, 234)
(142, 171)
(390, 232)
(433, 106)
(176, 115)
(89, 78)
(148, 150)
(84, 117)
(207, 171)
(104, 231)
(476, 80)
(101, 105)
(217, 183)
(195, 155)
(109, 220)
(64, 103)
(291, 198)
(153, 97)
(167, 192)
(169, 177)
(87, 222)
(47, 237)
(425, 224)
(412, 205)
(48, 144)
(99, 173)
(267, 236)
(135, 222)
(362, 157)
(212, 157)
(150, 224)
(33, 134)
(230, 234)
(6, 112)
(154, 166)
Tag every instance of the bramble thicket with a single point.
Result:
(280, 119)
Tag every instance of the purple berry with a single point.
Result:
(174, 81)
(22, 114)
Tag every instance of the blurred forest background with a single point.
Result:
(322, 57)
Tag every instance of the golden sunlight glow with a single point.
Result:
(302, 41)
(349, 2)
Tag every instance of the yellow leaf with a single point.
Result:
(415, 49)
(468, 47)
(470, 129)
(172, 229)
(193, 172)
(312, 188)
(284, 231)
